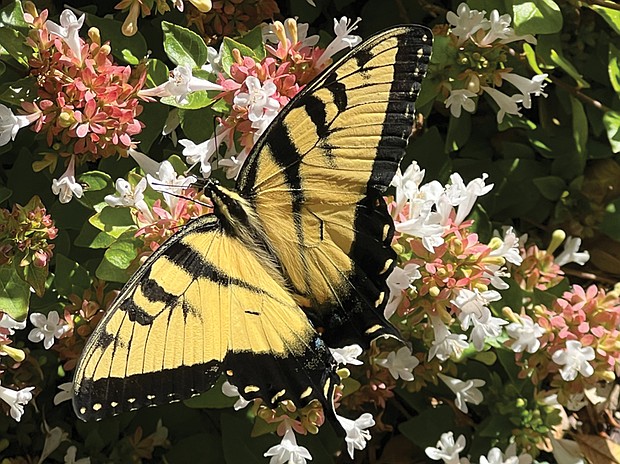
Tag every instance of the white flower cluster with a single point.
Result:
(432, 206)
(472, 25)
(448, 451)
(46, 329)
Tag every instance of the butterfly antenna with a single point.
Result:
(184, 197)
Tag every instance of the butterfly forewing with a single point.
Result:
(202, 305)
(317, 174)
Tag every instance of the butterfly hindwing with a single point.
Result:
(202, 305)
(317, 175)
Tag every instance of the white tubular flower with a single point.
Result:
(400, 363)
(485, 327)
(525, 334)
(288, 451)
(446, 344)
(180, 84)
(65, 393)
(167, 181)
(473, 305)
(466, 22)
(465, 391)
(507, 105)
(347, 355)
(46, 328)
(16, 399)
(258, 99)
(498, 28)
(512, 458)
(126, 195)
(461, 99)
(494, 273)
(575, 359)
(214, 61)
(399, 280)
(230, 390)
(571, 253)
(527, 86)
(7, 322)
(495, 456)
(357, 435)
(148, 165)
(464, 196)
(344, 39)
(233, 164)
(10, 123)
(407, 185)
(423, 223)
(71, 454)
(509, 249)
(68, 30)
(66, 186)
(447, 449)
(203, 152)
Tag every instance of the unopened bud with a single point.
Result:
(94, 35)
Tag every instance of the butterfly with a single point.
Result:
(292, 262)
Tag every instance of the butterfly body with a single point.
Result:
(301, 247)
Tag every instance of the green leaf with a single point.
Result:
(198, 124)
(536, 17)
(13, 16)
(113, 221)
(611, 119)
(91, 237)
(118, 258)
(254, 41)
(568, 67)
(610, 225)
(154, 117)
(212, 398)
(550, 187)
(156, 72)
(34, 276)
(426, 428)
(530, 55)
(459, 130)
(426, 151)
(193, 100)
(228, 45)
(612, 16)
(97, 185)
(192, 449)
(5, 193)
(14, 42)
(614, 67)
(14, 293)
(234, 425)
(580, 125)
(130, 49)
(14, 93)
(184, 47)
(70, 276)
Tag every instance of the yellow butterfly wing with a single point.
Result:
(317, 175)
(202, 305)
